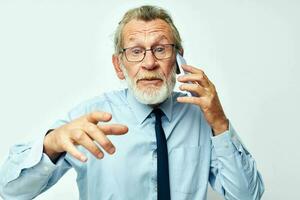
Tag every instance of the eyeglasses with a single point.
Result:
(137, 54)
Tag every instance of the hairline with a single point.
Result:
(160, 37)
(164, 16)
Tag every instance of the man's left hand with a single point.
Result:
(205, 96)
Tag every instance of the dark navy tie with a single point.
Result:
(163, 185)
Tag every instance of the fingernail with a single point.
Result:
(111, 150)
(83, 158)
(100, 155)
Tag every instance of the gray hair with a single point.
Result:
(145, 13)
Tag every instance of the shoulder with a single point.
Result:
(99, 103)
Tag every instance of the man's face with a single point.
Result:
(151, 80)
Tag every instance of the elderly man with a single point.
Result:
(169, 145)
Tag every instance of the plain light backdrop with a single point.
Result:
(55, 54)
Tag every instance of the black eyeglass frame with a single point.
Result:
(151, 49)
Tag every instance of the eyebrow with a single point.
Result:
(132, 39)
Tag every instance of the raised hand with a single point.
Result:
(196, 82)
(83, 131)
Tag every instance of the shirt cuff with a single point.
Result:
(27, 156)
(46, 167)
(227, 143)
(37, 155)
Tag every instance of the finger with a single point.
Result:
(81, 138)
(96, 116)
(194, 88)
(113, 129)
(192, 100)
(96, 134)
(199, 77)
(191, 69)
(69, 147)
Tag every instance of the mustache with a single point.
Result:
(149, 75)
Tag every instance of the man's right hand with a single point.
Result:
(83, 131)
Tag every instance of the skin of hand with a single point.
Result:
(83, 131)
(206, 98)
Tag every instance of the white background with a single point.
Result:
(55, 54)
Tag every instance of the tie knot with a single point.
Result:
(158, 113)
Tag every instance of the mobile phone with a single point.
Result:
(180, 61)
(179, 71)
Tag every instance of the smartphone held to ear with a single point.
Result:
(179, 71)
(180, 61)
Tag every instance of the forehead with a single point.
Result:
(139, 29)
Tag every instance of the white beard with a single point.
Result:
(152, 95)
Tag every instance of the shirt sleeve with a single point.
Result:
(233, 170)
(28, 171)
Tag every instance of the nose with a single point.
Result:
(149, 61)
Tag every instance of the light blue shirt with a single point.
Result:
(196, 158)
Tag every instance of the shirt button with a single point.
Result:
(155, 188)
(154, 180)
(46, 169)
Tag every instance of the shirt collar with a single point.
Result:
(167, 106)
(142, 111)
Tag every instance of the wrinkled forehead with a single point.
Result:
(154, 30)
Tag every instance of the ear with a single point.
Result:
(117, 65)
